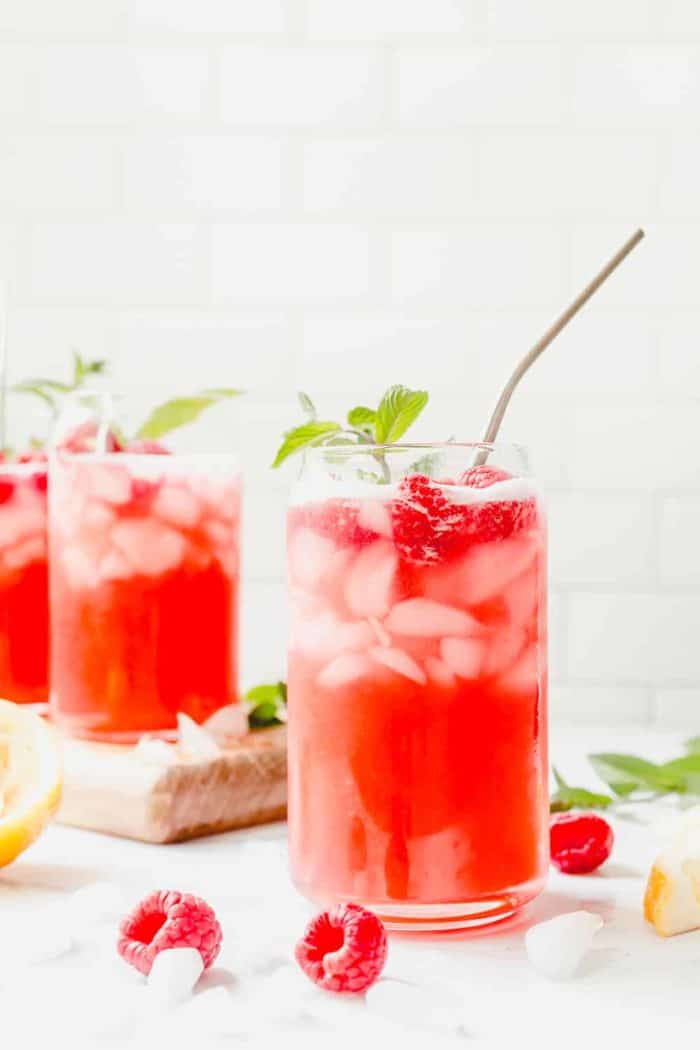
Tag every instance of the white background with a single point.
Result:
(339, 194)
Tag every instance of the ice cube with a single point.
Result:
(325, 636)
(98, 516)
(155, 752)
(150, 547)
(95, 903)
(374, 516)
(79, 565)
(345, 669)
(15, 525)
(426, 1006)
(29, 550)
(503, 646)
(176, 505)
(424, 618)
(310, 556)
(194, 741)
(521, 598)
(463, 656)
(369, 581)
(557, 948)
(380, 632)
(174, 974)
(112, 484)
(399, 661)
(219, 534)
(489, 567)
(522, 678)
(227, 722)
(114, 566)
(439, 672)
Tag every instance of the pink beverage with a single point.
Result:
(144, 591)
(417, 685)
(24, 601)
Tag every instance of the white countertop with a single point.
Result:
(635, 983)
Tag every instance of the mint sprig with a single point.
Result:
(632, 779)
(181, 410)
(267, 705)
(398, 409)
(51, 391)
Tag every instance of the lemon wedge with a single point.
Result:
(672, 897)
(30, 778)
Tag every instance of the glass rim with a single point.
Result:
(127, 458)
(416, 446)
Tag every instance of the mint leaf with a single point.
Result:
(693, 745)
(625, 774)
(363, 418)
(427, 465)
(180, 411)
(267, 705)
(398, 409)
(307, 405)
(567, 797)
(83, 368)
(38, 388)
(303, 436)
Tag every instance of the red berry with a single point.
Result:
(335, 518)
(580, 842)
(82, 439)
(146, 447)
(167, 919)
(426, 524)
(344, 949)
(40, 480)
(483, 476)
(35, 455)
(7, 487)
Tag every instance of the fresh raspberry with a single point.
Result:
(167, 919)
(7, 487)
(344, 949)
(40, 480)
(82, 439)
(426, 524)
(580, 842)
(483, 476)
(35, 455)
(335, 518)
(145, 447)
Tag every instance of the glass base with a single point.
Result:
(414, 917)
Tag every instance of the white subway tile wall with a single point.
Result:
(335, 196)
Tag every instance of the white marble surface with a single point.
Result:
(477, 988)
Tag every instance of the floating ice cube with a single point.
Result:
(374, 516)
(29, 550)
(346, 668)
(521, 598)
(97, 902)
(425, 1005)
(324, 636)
(15, 525)
(114, 566)
(155, 752)
(439, 672)
(489, 567)
(424, 618)
(369, 582)
(195, 741)
(310, 555)
(220, 535)
(227, 722)
(380, 632)
(522, 677)
(399, 661)
(110, 483)
(98, 516)
(463, 656)
(79, 566)
(556, 948)
(174, 974)
(150, 547)
(503, 647)
(176, 505)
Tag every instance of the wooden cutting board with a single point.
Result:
(113, 790)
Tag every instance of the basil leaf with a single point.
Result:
(303, 436)
(398, 409)
(180, 411)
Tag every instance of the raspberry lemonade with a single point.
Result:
(24, 603)
(417, 684)
(144, 591)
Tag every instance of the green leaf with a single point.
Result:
(37, 389)
(398, 409)
(307, 405)
(362, 418)
(693, 745)
(179, 411)
(625, 774)
(567, 797)
(427, 464)
(83, 368)
(267, 703)
(303, 436)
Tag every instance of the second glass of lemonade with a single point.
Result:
(144, 580)
(418, 683)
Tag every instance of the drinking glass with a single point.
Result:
(417, 682)
(144, 582)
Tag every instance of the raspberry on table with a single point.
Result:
(344, 949)
(168, 919)
(580, 842)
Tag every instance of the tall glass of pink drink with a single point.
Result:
(417, 683)
(24, 602)
(144, 575)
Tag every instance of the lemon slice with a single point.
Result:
(672, 897)
(30, 779)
